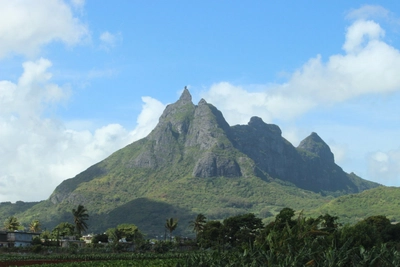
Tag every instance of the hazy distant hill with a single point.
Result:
(193, 162)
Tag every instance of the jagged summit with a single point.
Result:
(259, 124)
(194, 154)
(314, 144)
(185, 96)
(202, 102)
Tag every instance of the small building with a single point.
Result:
(20, 239)
(87, 238)
(3, 239)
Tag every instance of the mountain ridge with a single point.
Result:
(196, 162)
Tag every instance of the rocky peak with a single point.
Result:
(313, 143)
(207, 127)
(202, 102)
(178, 113)
(186, 97)
(258, 124)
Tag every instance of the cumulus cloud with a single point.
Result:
(385, 166)
(38, 153)
(368, 66)
(26, 26)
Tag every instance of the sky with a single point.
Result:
(81, 79)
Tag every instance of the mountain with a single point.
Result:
(194, 162)
(355, 207)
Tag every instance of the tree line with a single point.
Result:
(80, 216)
(290, 238)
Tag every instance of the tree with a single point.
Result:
(171, 225)
(63, 229)
(241, 229)
(100, 238)
(130, 232)
(329, 222)
(285, 217)
(34, 226)
(11, 224)
(198, 224)
(212, 235)
(80, 217)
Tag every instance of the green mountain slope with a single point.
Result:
(355, 207)
(194, 162)
(8, 209)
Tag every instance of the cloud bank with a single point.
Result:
(38, 153)
(368, 66)
(26, 26)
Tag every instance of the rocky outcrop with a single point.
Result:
(211, 165)
(208, 127)
(196, 141)
(264, 144)
(316, 145)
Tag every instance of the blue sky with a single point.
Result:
(80, 79)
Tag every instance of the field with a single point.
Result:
(61, 259)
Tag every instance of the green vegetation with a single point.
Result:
(8, 209)
(193, 163)
(198, 224)
(80, 217)
(12, 224)
(355, 207)
(301, 241)
(171, 225)
(290, 239)
(34, 226)
(63, 229)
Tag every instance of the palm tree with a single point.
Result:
(62, 230)
(198, 223)
(80, 217)
(171, 225)
(12, 224)
(34, 226)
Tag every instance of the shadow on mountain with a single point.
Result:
(148, 215)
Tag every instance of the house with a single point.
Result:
(20, 239)
(87, 238)
(3, 239)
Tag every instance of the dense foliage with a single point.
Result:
(298, 241)
(291, 239)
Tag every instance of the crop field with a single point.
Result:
(101, 259)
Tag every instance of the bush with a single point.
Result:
(36, 248)
(36, 241)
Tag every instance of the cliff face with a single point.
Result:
(192, 162)
(196, 141)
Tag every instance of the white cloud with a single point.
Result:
(368, 12)
(369, 66)
(26, 26)
(361, 32)
(109, 40)
(148, 118)
(38, 153)
(385, 166)
(78, 4)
